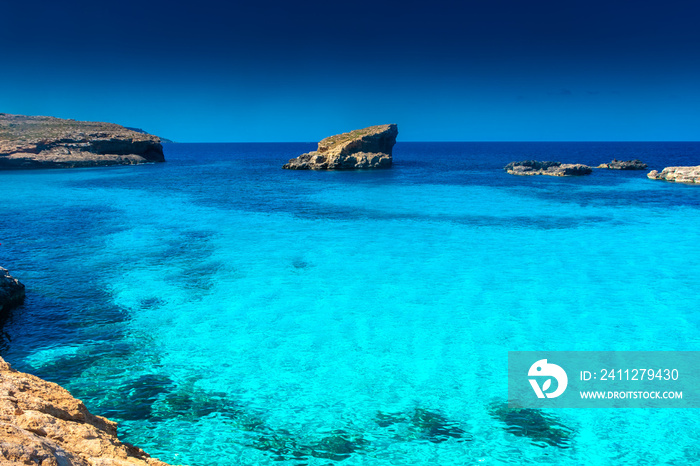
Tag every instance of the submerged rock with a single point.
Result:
(282, 446)
(362, 148)
(47, 142)
(43, 424)
(624, 165)
(436, 427)
(534, 167)
(542, 429)
(424, 424)
(389, 419)
(689, 175)
(337, 447)
(11, 291)
(136, 397)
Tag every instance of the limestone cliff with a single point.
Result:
(689, 175)
(47, 142)
(11, 291)
(533, 167)
(42, 424)
(362, 148)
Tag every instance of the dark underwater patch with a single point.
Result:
(186, 402)
(283, 446)
(537, 222)
(436, 427)
(425, 424)
(337, 447)
(134, 399)
(153, 302)
(300, 264)
(66, 369)
(543, 429)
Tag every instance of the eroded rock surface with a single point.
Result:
(534, 167)
(689, 175)
(42, 424)
(11, 291)
(362, 148)
(47, 142)
(615, 164)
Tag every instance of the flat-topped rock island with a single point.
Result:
(615, 164)
(688, 175)
(369, 147)
(48, 142)
(535, 167)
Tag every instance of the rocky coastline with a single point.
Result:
(689, 175)
(534, 167)
(11, 291)
(362, 148)
(47, 142)
(41, 423)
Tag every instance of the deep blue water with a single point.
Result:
(226, 311)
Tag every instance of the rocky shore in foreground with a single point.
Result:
(362, 148)
(48, 142)
(42, 424)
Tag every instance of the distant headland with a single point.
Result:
(48, 142)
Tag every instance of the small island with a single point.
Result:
(615, 164)
(362, 148)
(48, 142)
(689, 175)
(534, 167)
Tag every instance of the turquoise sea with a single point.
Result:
(227, 312)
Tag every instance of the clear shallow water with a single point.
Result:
(226, 311)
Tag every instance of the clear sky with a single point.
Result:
(273, 70)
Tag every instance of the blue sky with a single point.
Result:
(498, 70)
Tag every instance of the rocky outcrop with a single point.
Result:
(42, 424)
(678, 174)
(533, 167)
(11, 291)
(624, 165)
(362, 148)
(47, 142)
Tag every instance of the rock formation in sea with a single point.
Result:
(362, 148)
(533, 167)
(624, 165)
(41, 423)
(689, 175)
(48, 142)
(11, 291)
